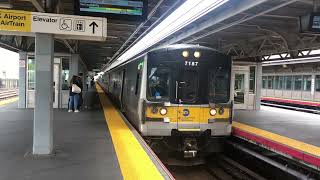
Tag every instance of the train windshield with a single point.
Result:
(158, 84)
(176, 79)
(189, 86)
(219, 85)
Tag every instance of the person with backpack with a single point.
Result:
(74, 94)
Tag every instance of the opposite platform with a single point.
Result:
(292, 133)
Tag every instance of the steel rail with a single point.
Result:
(280, 166)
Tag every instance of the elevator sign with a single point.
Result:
(62, 26)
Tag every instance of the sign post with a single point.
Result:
(62, 26)
(45, 27)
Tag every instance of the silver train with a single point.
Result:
(177, 97)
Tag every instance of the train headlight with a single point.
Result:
(213, 112)
(163, 111)
(197, 54)
(185, 54)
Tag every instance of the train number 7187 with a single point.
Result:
(191, 63)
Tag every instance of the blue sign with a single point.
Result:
(186, 112)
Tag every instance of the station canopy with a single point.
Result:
(249, 30)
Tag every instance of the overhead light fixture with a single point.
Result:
(184, 15)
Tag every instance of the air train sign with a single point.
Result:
(62, 26)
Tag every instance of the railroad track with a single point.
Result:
(8, 93)
(244, 161)
(224, 168)
(217, 167)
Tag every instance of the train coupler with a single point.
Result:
(190, 154)
(190, 147)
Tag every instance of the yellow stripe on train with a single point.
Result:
(186, 114)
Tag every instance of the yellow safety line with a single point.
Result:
(290, 99)
(7, 101)
(308, 148)
(134, 161)
(189, 130)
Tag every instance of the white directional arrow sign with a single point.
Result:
(93, 25)
(63, 26)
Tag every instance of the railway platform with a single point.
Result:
(313, 104)
(290, 133)
(11, 103)
(85, 147)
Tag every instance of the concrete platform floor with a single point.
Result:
(10, 105)
(82, 142)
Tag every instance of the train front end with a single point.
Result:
(188, 106)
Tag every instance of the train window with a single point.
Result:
(137, 83)
(307, 83)
(188, 91)
(317, 83)
(219, 86)
(270, 82)
(158, 84)
(288, 81)
(252, 79)
(297, 83)
(264, 82)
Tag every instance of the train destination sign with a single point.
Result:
(63, 26)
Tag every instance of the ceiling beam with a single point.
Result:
(140, 27)
(218, 18)
(235, 22)
(36, 4)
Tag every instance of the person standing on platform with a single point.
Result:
(74, 92)
(92, 82)
(79, 79)
(88, 82)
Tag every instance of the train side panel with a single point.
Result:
(125, 89)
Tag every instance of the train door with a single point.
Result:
(122, 89)
(240, 86)
(188, 93)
